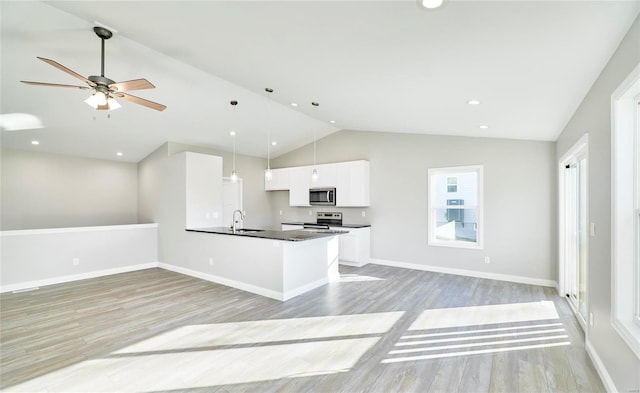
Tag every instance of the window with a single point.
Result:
(452, 184)
(625, 218)
(455, 222)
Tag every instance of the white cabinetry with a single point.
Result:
(203, 189)
(354, 248)
(352, 183)
(279, 180)
(299, 183)
(351, 180)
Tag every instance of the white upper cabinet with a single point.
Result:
(327, 176)
(299, 183)
(279, 180)
(351, 180)
(353, 183)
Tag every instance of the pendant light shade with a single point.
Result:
(314, 172)
(234, 173)
(268, 175)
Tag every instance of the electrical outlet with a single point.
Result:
(280, 212)
(487, 260)
(207, 216)
(592, 229)
(215, 214)
(211, 261)
(590, 319)
(310, 212)
(364, 214)
(76, 261)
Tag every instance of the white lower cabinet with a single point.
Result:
(355, 246)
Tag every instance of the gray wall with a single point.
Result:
(42, 190)
(519, 198)
(594, 117)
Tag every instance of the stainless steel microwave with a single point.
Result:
(322, 196)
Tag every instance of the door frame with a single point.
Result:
(579, 149)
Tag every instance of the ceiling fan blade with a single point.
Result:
(136, 84)
(56, 85)
(67, 70)
(141, 101)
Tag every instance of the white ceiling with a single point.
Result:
(372, 65)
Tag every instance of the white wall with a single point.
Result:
(43, 190)
(38, 257)
(593, 116)
(519, 200)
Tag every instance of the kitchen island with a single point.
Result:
(271, 263)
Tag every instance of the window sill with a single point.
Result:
(454, 244)
(630, 333)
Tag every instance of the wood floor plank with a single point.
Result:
(69, 337)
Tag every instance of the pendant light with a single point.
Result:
(234, 174)
(268, 175)
(314, 172)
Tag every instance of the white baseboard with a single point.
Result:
(600, 368)
(468, 273)
(24, 286)
(225, 281)
(300, 290)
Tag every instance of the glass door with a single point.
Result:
(576, 229)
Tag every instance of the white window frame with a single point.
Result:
(625, 202)
(432, 240)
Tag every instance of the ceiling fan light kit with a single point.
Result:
(105, 90)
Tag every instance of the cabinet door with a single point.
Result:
(327, 176)
(348, 248)
(353, 183)
(299, 181)
(279, 180)
(289, 227)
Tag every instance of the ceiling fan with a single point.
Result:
(104, 89)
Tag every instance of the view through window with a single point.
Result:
(455, 206)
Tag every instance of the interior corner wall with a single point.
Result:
(44, 190)
(520, 195)
(593, 116)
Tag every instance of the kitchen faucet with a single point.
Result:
(233, 217)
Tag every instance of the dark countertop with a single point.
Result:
(292, 236)
(354, 226)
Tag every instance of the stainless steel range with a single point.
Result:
(324, 220)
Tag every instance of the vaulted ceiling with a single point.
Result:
(388, 66)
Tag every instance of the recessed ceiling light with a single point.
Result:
(35, 142)
(332, 121)
(473, 102)
(232, 133)
(273, 143)
(483, 127)
(431, 3)
(294, 104)
(119, 154)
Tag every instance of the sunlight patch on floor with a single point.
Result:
(194, 369)
(357, 278)
(465, 331)
(275, 330)
(484, 315)
(198, 356)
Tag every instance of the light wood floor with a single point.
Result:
(379, 329)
